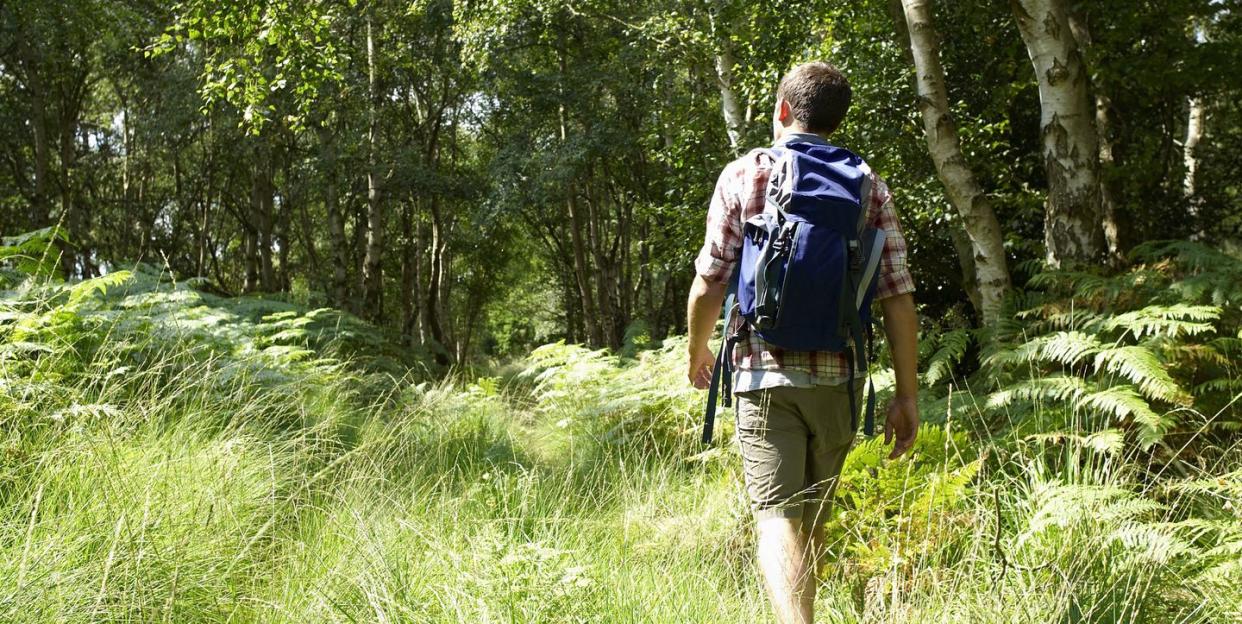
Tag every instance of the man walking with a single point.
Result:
(794, 420)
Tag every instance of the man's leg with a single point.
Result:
(773, 442)
(830, 439)
(788, 571)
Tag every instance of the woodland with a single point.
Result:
(374, 310)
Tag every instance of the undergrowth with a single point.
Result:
(168, 455)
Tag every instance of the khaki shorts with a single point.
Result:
(793, 443)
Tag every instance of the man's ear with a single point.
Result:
(783, 113)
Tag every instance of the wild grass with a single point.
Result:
(152, 473)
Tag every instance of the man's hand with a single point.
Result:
(902, 425)
(701, 362)
(702, 309)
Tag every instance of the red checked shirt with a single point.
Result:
(739, 195)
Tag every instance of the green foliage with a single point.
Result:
(30, 254)
(1141, 348)
(158, 441)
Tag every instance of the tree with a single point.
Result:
(986, 245)
(1072, 217)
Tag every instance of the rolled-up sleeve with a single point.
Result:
(723, 240)
(895, 278)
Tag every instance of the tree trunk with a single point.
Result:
(372, 267)
(422, 232)
(261, 217)
(435, 324)
(1190, 156)
(730, 103)
(1072, 217)
(250, 247)
(986, 251)
(1108, 208)
(604, 276)
(68, 208)
(409, 276)
(966, 263)
(577, 223)
(590, 313)
(72, 96)
(338, 248)
(40, 211)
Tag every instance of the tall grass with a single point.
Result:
(152, 473)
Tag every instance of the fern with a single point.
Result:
(953, 345)
(83, 291)
(945, 489)
(1142, 367)
(1121, 402)
(1054, 388)
(1171, 321)
(1066, 348)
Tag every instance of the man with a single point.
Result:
(794, 425)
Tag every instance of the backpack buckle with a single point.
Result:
(855, 253)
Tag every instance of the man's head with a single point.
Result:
(812, 97)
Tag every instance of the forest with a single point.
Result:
(374, 310)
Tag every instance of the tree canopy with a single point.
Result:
(484, 177)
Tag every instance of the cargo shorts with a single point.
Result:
(793, 442)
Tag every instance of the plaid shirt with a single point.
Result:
(739, 195)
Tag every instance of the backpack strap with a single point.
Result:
(864, 257)
(722, 371)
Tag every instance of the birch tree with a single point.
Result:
(1072, 214)
(986, 245)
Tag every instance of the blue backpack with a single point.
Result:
(809, 265)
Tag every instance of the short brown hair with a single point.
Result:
(818, 95)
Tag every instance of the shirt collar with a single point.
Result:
(801, 137)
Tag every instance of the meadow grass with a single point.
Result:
(188, 493)
(166, 456)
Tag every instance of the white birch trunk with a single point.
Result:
(1190, 157)
(1072, 218)
(731, 106)
(372, 267)
(730, 103)
(972, 203)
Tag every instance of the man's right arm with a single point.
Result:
(713, 268)
(702, 309)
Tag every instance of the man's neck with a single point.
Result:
(798, 134)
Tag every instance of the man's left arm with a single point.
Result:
(901, 325)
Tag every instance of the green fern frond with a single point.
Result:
(1226, 485)
(1171, 321)
(953, 345)
(1196, 354)
(1226, 385)
(1052, 388)
(1189, 255)
(1072, 281)
(1057, 317)
(1141, 366)
(1106, 442)
(944, 489)
(1151, 543)
(1066, 348)
(1124, 402)
(1063, 505)
(83, 290)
